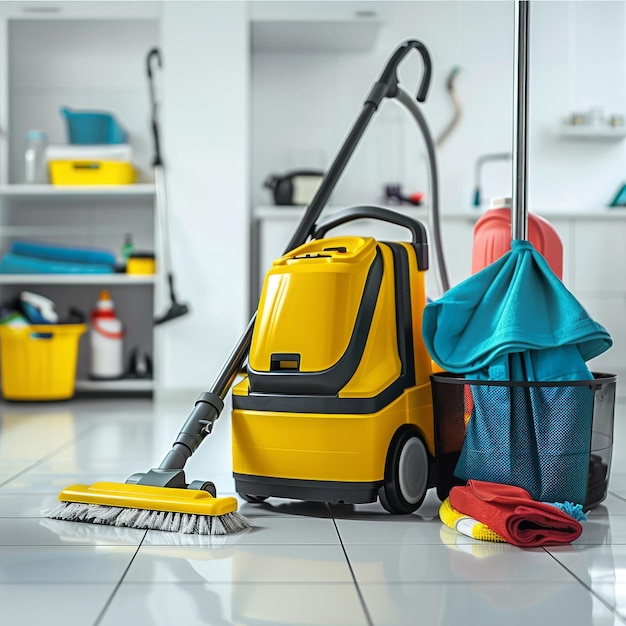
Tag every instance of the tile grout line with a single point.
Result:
(616, 495)
(368, 617)
(587, 587)
(47, 457)
(107, 604)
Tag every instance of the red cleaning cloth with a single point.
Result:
(512, 513)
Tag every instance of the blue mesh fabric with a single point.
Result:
(538, 438)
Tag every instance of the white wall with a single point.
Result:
(304, 103)
(205, 147)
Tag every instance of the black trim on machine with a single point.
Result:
(318, 403)
(310, 490)
(404, 317)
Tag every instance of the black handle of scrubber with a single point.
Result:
(417, 229)
(199, 423)
(387, 84)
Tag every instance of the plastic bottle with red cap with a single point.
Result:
(106, 340)
(492, 237)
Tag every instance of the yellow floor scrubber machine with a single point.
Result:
(336, 404)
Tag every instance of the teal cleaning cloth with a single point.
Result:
(514, 320)
(11, 263)
(65, 254)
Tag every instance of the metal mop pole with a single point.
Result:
(520, 113)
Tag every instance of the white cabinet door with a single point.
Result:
(600, 255)
(64, 9)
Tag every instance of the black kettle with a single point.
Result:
(294, 188)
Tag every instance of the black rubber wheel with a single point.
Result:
(406, 473)
(252, 499)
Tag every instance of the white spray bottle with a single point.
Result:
(106, 340)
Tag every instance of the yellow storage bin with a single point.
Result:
(77, 172)
(39, 362)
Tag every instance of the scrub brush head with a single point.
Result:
(144, 519)
(189, 511)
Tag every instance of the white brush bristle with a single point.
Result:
(227, 524)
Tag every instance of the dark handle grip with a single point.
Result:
(417, 229)
(387, 85)
(154, 53)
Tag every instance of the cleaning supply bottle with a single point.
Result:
(106, 340)
(35, 168)
(128, 247)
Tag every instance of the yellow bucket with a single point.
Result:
(92, 173)
(39, 362)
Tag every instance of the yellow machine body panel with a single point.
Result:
(317, 287)
(325, 447)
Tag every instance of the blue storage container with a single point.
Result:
(92, 127)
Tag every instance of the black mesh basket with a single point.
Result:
(554, 439)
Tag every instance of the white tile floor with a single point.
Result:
(299, 564)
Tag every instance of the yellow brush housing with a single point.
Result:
(337, 369)
(190, 501)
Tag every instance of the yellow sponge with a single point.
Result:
(466, 525)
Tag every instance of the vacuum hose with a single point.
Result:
(435, 218)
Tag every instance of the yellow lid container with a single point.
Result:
(141, 263)
(84, 172)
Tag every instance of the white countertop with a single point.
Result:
(269, 212)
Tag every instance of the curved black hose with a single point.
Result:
(435, 218)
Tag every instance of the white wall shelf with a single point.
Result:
(121, 385)
(77, 279)
(77, 36)
(75, 191)
(64, 9)
(602, 133)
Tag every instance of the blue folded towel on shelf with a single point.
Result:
(20, 264)
(36, 257)
(55, 252)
